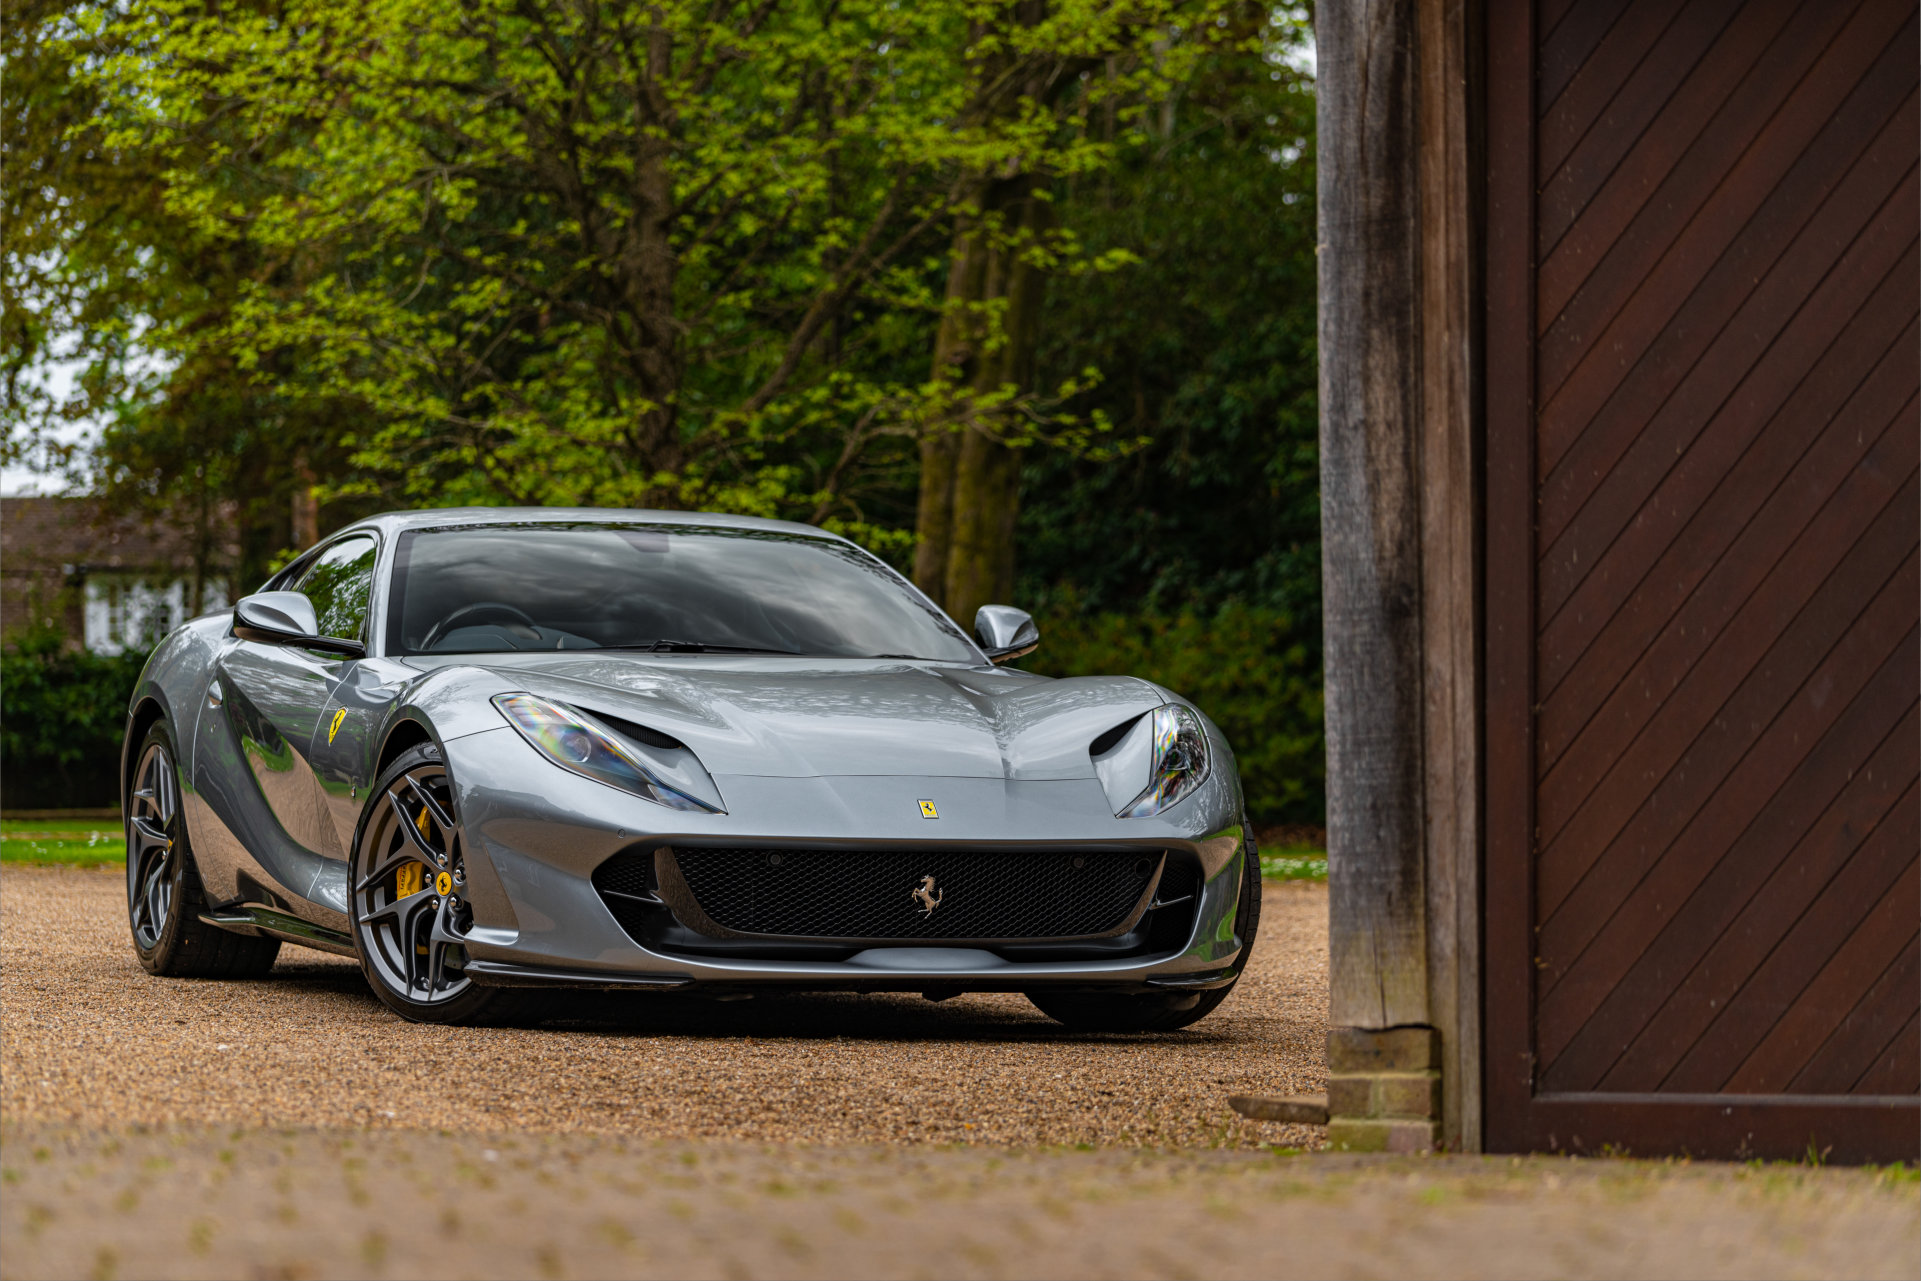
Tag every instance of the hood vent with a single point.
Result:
(1111, 739)
(639, 733)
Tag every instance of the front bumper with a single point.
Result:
(535, 834)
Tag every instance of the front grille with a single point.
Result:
(625, 875)
(869, 894)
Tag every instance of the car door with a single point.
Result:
(274, 697)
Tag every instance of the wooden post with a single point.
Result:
(1370, 301)
(1398, 519)
(1451, 116)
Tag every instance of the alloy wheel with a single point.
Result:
(410, 909)
(153, 816)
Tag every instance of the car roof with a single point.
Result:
(452, 517)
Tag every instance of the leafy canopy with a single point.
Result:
(606, 253)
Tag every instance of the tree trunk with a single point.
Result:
(970, 479)
(980, 567)
(939, 452)
(955, 345)
(306, 508)
(650, 269)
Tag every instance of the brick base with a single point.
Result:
(1383, 1089)
(1366, 1134)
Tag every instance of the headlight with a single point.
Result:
(571, 743)
(1179, 762)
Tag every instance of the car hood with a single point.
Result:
(812, 717)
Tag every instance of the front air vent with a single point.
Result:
(887, 895)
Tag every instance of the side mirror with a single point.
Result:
(287, 618)
(1006, 633)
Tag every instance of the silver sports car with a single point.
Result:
(493, 750)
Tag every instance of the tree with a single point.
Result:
(1209, 344)
(1195, 560)
(596, 251)
(103, 275)
(984, 348)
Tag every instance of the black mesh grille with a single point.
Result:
(1180, 880)
(624, 874)
(869, 894)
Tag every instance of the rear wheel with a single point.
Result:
(407, 897)
(164, 895)
(1162, 1011)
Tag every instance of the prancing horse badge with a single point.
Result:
(928, 896)
(927, 810)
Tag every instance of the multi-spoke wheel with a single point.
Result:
(153, 815)
(164, 896)
(408, 895)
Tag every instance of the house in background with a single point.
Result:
(108, 583)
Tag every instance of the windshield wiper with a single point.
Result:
(668, 645)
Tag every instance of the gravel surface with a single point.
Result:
(412, 1203)
(91, 1039)
(291, 1128)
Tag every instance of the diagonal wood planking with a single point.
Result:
(1726, 454)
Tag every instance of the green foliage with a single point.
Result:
(1197, 558)
(61, 722)
(1209, 350)
(684, 254)
(694, 254)
(1248, 668)
(101, 276)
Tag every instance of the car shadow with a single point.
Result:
(890, 1017)
(882, 1017)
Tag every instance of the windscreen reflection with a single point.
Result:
(673, 589)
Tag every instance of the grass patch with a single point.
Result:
(1294, 865)
(43, 842)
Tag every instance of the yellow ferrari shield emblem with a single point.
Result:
(443, 884)
(334, 728)
(927, 810)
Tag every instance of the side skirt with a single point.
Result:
(502, 974)
(251, 918)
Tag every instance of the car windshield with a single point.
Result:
(665, 588)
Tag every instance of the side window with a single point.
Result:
(340, 585)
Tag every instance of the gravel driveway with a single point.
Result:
(271, 1204)
(291, 1128)
(92, 1039)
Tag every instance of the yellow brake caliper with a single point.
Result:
(411, 877)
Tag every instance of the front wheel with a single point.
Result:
(407, 896)
(1163, 1011)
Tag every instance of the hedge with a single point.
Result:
(62, 715)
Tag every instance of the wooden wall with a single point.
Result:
(1702, 291)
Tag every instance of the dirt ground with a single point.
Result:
(290, 1127)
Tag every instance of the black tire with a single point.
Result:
(164, 895)
(1158, 1011)
(407, 931)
